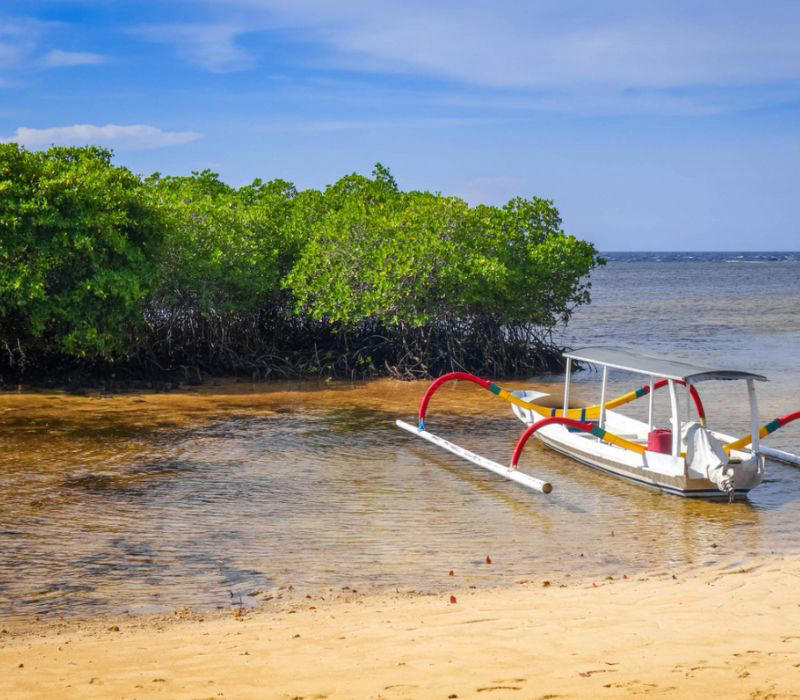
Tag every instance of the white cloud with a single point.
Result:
(18, 39)
(135, 136)
(20, 42)
(688, 102)
(210, 46)
(59, 59)
(10, 53)
(522, 44)
(527, 44)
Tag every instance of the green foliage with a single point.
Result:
(374, 252)
(179, 272)
(78, 243)
(531, 270)
(225, 249)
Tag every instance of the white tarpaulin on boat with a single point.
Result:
(705, 455)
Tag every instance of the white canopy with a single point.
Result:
(620, 358)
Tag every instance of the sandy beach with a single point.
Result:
(732, 633)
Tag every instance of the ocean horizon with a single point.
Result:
(727, 256)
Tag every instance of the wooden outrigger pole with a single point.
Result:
(510, 473)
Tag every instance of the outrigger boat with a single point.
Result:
(687, 458)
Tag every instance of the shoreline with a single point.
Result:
(293, 597)
(731, 632)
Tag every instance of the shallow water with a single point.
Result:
(157, 501)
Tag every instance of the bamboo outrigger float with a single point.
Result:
(687, 459)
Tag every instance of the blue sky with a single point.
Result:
(652, 125)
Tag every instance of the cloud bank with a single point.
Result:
(211, 46)
(520, 43)
(134, 136)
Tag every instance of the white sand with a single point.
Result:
(721, 634)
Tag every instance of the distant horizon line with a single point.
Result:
(727, 252)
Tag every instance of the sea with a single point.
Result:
(238, 495)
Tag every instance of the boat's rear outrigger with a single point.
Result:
(688, 459)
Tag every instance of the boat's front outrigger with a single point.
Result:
(688, 459)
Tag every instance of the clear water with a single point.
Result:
(160, 501)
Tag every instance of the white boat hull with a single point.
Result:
(652, 469)
(688, 488)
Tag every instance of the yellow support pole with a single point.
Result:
(744, 440)
(588, 413)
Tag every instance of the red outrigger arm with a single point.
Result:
(701, 411)
(452, 376)
(585, 426)
(578, 425)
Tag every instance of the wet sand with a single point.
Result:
(732, 633)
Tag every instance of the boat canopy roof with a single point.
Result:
(620, 358)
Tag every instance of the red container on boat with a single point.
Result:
(660, 441)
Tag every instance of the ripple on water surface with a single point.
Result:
(327, 496)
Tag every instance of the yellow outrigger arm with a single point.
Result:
(591, 412)
(770, 427)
